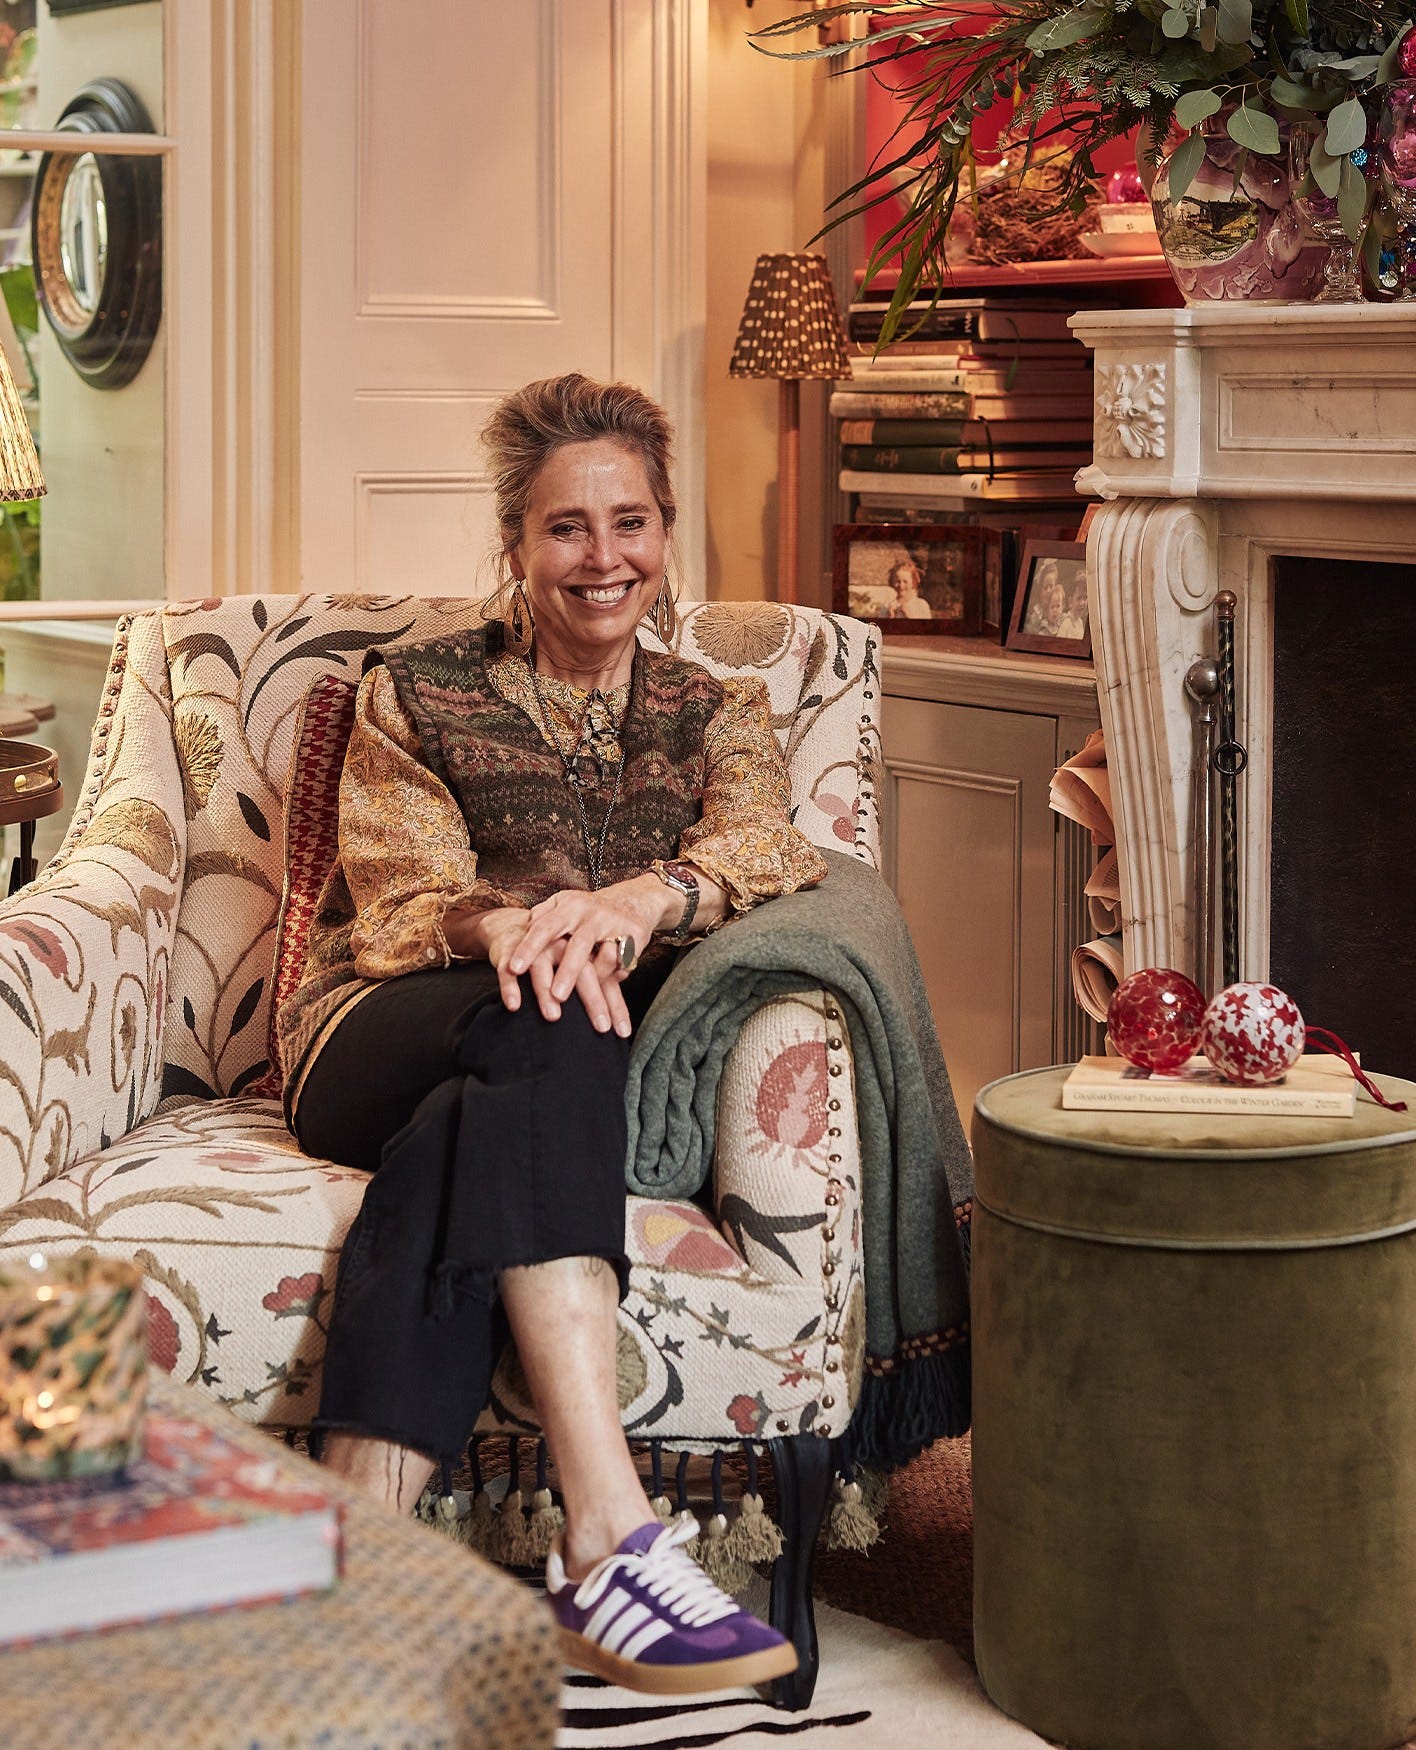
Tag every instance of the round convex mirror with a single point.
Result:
(96, 234)
(83, 243)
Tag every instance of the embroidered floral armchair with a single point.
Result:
(138, 1114)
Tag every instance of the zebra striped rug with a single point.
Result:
(875, 1685)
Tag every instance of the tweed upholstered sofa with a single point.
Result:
(138, 1108)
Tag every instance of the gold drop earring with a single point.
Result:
(520, 628)
(665, 612)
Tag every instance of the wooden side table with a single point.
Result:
(1194, 1440)
(29, 791)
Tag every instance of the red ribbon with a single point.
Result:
(1326, 1041)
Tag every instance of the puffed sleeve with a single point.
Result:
(403, 842)
(745, 840)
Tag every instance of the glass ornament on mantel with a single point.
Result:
(1396, 158)
(1342, 274)
(1236, 232)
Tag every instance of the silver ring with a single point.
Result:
(626, 953)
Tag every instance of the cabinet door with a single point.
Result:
(969, 851)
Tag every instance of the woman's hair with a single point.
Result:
(527, 427)
(900, 569)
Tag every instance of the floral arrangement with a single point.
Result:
(1078, 76)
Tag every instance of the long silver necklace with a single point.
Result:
(594, 849)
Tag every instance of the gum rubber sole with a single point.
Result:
(741, 1673)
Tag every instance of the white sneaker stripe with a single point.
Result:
(652, 1631)
(624, 1626)
(610, 1607)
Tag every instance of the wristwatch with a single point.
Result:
(681, 878)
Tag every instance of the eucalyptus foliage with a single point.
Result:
(1077, 76)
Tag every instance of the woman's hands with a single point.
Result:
(567, 944)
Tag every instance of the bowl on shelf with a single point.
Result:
(1109, 244)
(1125, 218)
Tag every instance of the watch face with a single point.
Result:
(682, 874)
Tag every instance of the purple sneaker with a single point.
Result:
(649, 1618)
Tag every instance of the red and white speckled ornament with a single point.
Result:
(1253, 1034)
(1406, 54)
(1154, 1018)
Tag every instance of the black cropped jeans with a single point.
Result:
(495, 1138)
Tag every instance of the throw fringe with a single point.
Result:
(921, 1401)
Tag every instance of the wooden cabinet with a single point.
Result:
(989, 878)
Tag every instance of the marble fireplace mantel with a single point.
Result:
(1226, 437)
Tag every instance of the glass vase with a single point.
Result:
(1236, 232)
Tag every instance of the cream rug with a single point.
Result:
(876, 1685)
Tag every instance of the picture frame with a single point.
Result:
(917, 578)
(1050, 610)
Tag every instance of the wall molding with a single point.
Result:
(660, 281)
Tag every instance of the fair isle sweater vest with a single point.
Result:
(511, 786)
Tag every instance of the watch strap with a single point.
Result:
(682, 879)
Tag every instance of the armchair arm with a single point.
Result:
(786, 1169)
(84, 949)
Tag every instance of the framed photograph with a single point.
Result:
(916, 577)
(1050, 601)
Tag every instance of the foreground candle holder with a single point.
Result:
(73, 1367)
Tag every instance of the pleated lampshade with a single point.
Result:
(790, 326)
(20, 477)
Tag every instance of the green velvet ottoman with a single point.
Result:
(1194, 1444)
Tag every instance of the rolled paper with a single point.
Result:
(1081, 790)
(1103, 893)
(1097, 969)
(73, 1367)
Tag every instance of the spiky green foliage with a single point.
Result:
(1077, 76)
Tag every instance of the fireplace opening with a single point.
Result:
(1342, 913)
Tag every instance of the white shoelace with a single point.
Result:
(670, 1577)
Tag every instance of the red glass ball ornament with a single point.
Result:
(1406, 54)
(1154, 1018)
(1253, 1034)
(1125, 188)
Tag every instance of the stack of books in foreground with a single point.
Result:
(989, 399)
(198, 1523)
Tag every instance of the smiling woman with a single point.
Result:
(532, 815)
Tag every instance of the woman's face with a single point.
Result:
(592, 551)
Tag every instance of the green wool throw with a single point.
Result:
(848, 936)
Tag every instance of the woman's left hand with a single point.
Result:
(589, 924)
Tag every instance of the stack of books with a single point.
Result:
(199, 1523)
(989, 398)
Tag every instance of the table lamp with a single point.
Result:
(20, 477)
(790, 329)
